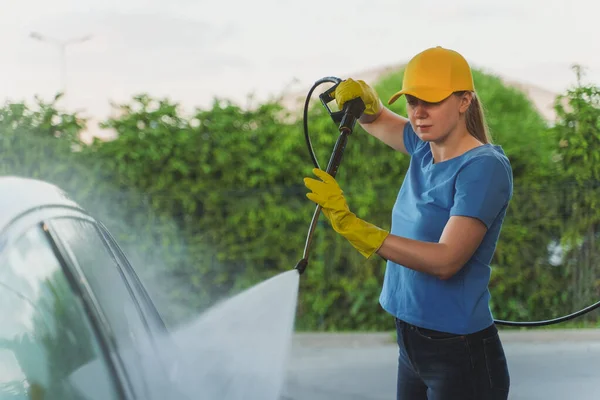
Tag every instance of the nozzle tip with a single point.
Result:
(301, 266)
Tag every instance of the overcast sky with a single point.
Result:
(194, 50)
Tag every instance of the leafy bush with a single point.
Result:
(210, 203)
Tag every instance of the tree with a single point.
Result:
(578, 138)
(210, 203)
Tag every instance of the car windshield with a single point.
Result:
(47, 345)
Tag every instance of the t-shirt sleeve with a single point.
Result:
(411, 140)
(483, 188)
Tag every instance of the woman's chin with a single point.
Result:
(426, 136)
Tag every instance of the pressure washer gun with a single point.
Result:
(345, 119)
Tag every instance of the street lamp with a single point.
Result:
(62, 47)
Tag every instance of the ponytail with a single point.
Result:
(475, 119)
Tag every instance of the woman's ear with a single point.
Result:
(465, 102)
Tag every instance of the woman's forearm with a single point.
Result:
(428, 257)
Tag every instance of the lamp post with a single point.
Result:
(62, 47)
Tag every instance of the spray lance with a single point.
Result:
(346, 119)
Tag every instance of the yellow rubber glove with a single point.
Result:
(365, 237)
(350, 89)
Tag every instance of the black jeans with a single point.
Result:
(441, 366)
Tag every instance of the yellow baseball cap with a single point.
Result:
(435, 74)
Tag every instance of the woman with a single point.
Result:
(445, 225)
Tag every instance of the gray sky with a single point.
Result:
(194, 50)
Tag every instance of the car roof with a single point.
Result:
(20, 195)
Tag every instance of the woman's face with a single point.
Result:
(433, 122)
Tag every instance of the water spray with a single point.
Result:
(346, 119)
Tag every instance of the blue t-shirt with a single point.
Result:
(477, 184)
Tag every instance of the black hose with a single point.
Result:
(311, 152)
(549, 321)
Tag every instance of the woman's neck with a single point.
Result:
(453, 145)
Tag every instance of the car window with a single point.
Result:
(151, 313)
(105, 278)
(113, 295)
(48, 349)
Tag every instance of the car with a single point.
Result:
(78, 323)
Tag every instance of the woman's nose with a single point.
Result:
(419, 110)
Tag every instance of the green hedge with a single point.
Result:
(210, 203)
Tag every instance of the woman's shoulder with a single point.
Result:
(487, 156)
(488, 160)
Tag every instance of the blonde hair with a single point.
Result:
(475, 119)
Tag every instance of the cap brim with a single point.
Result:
(429, 95)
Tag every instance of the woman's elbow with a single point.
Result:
(448, 270)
